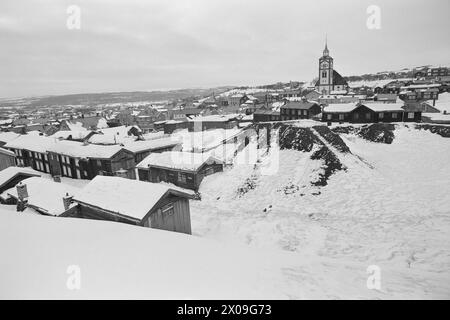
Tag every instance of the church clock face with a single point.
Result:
(324, 65)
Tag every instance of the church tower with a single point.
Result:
(325, 83)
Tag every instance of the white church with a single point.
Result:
(329, 79)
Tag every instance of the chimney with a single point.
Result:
(22, 195)
(22, 192)
(67, 200)
(57, 178)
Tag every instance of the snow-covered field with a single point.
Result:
(261, 231)
(391, 208)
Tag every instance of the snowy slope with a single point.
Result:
(391, 207)
(123, 261)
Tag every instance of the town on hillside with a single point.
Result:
(174, 145)
(333, 187)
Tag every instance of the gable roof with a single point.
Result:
(146, 145)
(80, 150)
(131, 198)
(6, 175)
(178, 160)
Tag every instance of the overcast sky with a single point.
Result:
(147, 45)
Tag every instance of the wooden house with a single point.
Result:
(183, 169)
(134, 202)
(369, 113)
(85, 161)
(31, 151)
(299, 110)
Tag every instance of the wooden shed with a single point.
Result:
(134, 202)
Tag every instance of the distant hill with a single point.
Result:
(111, 97)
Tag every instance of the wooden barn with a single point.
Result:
(7, 158)
(134, 202)
(299, 110)
(183, 169)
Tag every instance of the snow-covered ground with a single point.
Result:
(391, 208)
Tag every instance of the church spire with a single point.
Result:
(325, 51)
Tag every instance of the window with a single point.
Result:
(410, 115)
(182, 177)
(329, 116)
(381, 115)
(367, 116)
(99, 163)
(341, 117)
(356, 116)
(394, 115)
(324, 74)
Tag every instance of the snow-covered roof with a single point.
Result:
(9, 173)
(385, 107)
(81, 150)
(75, 134)
(178, 160)
(340, 107)
(45, 194)
(126, 197)
(139, 146)
(35, 143)
(8, 136)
